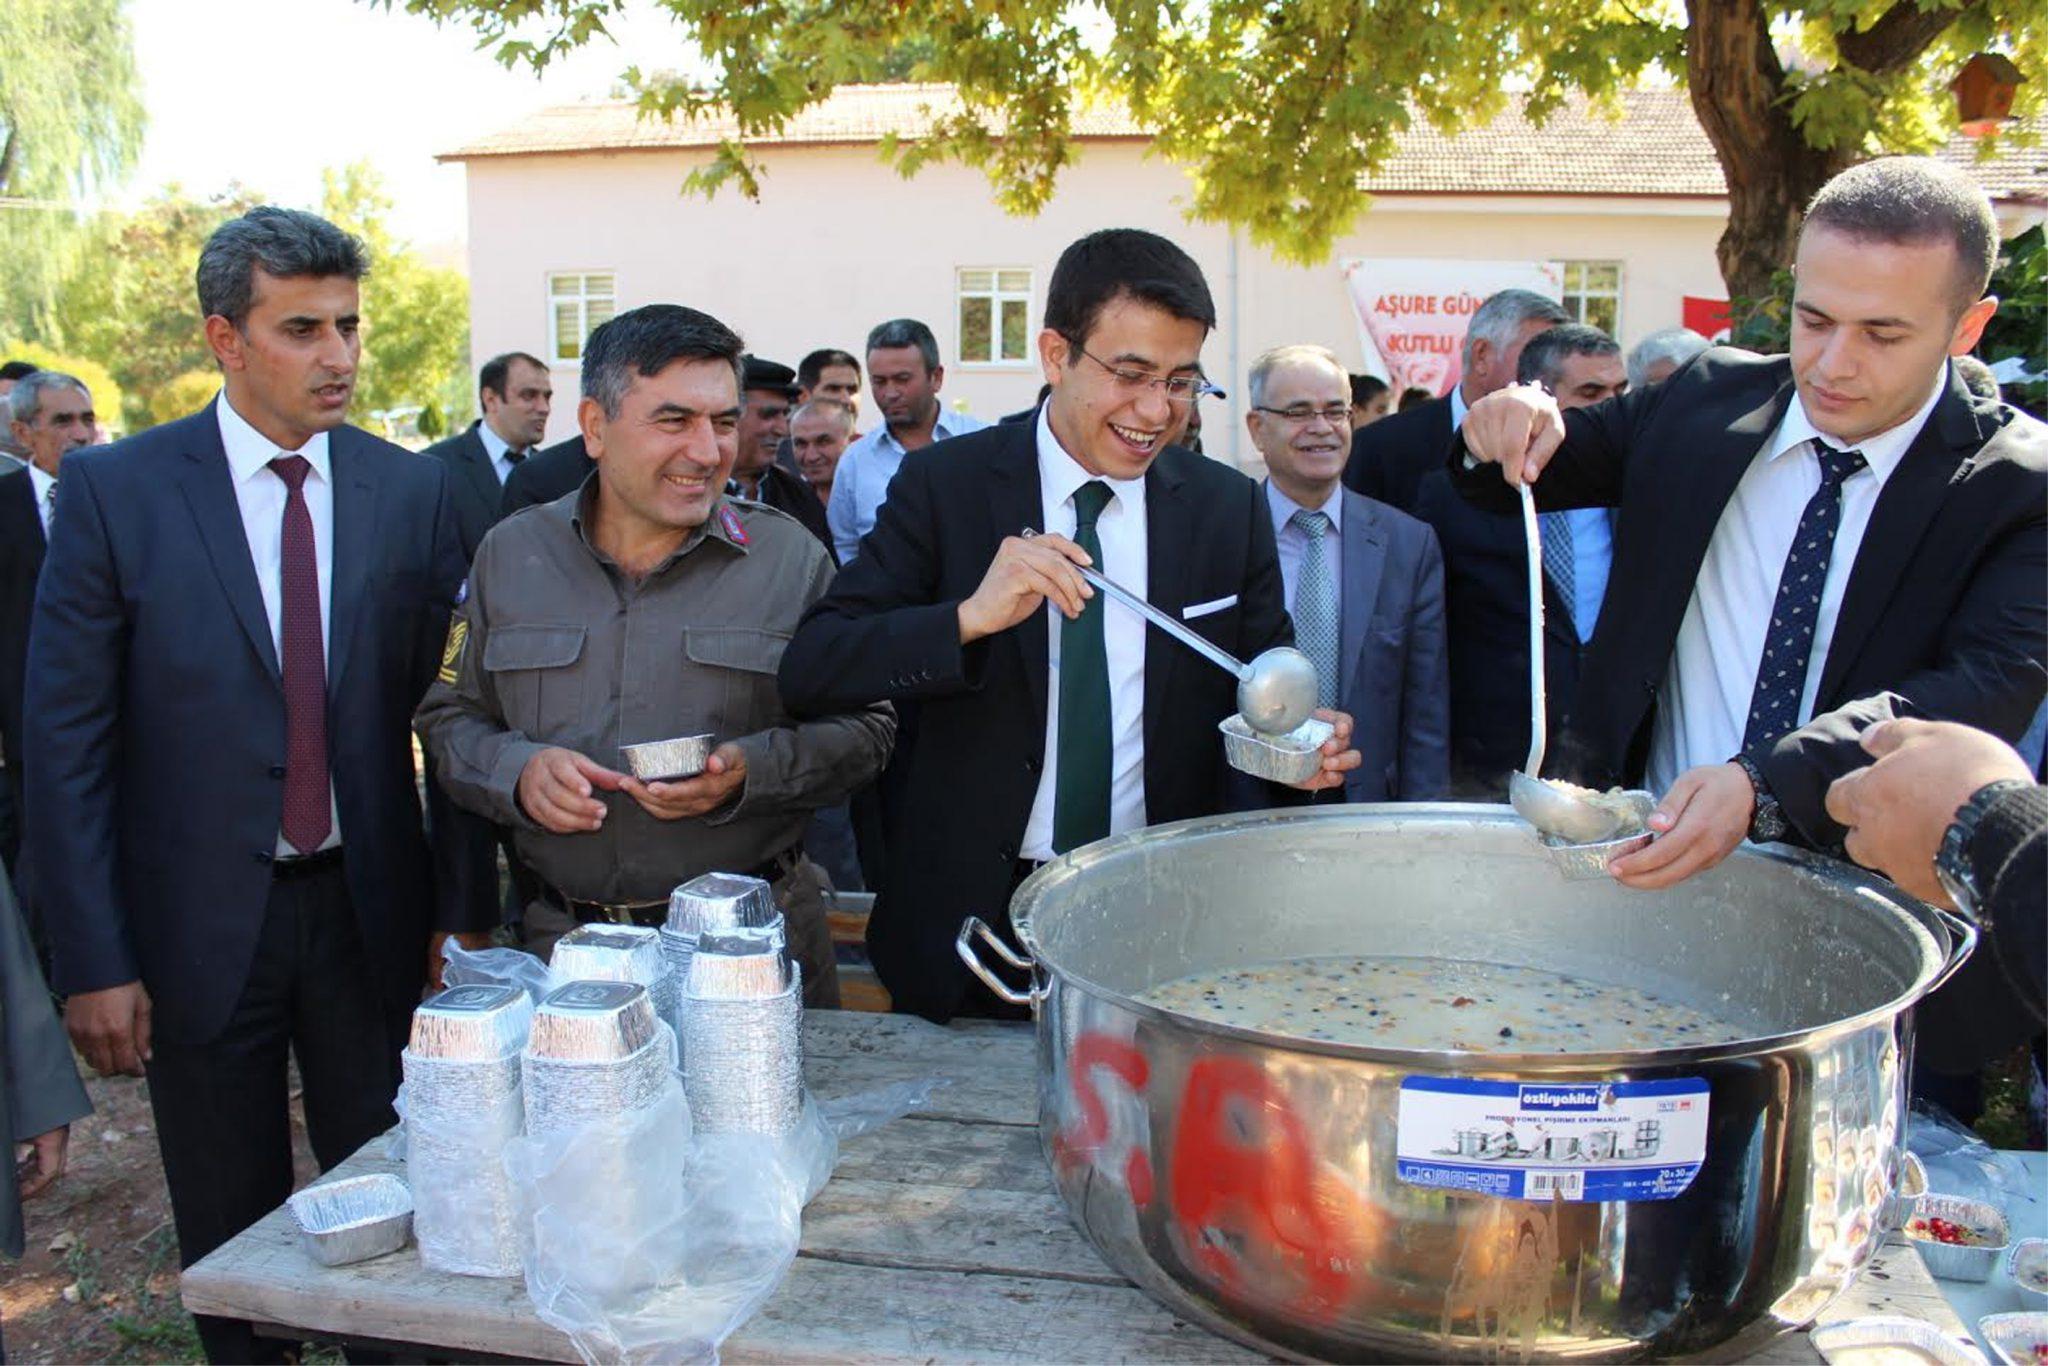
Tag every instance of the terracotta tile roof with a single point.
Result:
(1654, 148)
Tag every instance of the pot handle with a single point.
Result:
(972, 926)
(1963, 932)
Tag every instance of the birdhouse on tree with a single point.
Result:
(1984, 89)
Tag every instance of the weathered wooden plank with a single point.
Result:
(1897, 1282)
(991, 1067)
(951, 1227)
(947, 1152)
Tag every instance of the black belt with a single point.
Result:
(654, 914)
(284, 869)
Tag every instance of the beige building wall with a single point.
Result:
(837, 242)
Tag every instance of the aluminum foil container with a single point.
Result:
(743, 1035)
(1289, 758)
(2028, 1267)
(1583, 862)
(472, 1023)
(721, 901)
(1890, 1338)
(592, 1022)
(353, 1220)
(596, 1050)
(1906, 1197)
(684, 756)
(1955, 1262)
(2015, 1339)
(620, 953)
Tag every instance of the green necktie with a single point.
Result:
(1080, 803)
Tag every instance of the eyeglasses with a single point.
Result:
(1300, 414)
(1179, 388)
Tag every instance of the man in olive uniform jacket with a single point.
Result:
(641, 607)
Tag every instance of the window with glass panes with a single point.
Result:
(577, 302)
(995, 315)
(1592, 294)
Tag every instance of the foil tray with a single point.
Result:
(1953, 1262)
(1890, 1338)
(653, 761)
(353, 1220)
(721, 901)
(2015, 1339)
(592, 1022)
(1290, 758)
(2028, 1267)
(1584, 862)
(746, 1061)
(472, 1023)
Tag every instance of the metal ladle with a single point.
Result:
(1553, 808)
(1276, 692)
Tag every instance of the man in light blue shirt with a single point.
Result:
(904, 376)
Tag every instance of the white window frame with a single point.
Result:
(1573, 302)
(997, 296)
(582, 299)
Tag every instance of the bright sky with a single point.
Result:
(269, 92)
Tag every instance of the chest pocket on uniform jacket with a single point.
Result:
(747, 657)
(534, 671)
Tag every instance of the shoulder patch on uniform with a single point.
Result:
(451, 653)
(730, 520)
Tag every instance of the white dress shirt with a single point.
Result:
(860, 484)
(41, 483)
(495, 447)
(1703, 702)
(1293, 540)
(1121, 530)
(262, 494)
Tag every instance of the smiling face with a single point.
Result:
(1872, 324)
(520, 415)
(663, 458)
(1106, 408)
(1308, 440)
(290, 368)
(818, 436)
(764, 422)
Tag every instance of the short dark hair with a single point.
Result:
(645, 341)
(899, 332)
(287, 243)
(497, 371)
(1544, 356)
(1411, 396)
(811, 368)
(1916, 201)
(1113, 262)
(17, 369)
(1366, 388)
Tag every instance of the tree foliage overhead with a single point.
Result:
(1279, 107)
(70, 126)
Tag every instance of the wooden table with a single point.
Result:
(939, 1237)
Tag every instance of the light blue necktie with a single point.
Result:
(1316, 625)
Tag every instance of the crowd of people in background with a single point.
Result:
(219, 638)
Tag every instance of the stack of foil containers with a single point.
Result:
(595, 1053)
(462, 1087)
(743, 1034)
(714, 904)
(621, 953)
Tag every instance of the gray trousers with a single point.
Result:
(801, 895)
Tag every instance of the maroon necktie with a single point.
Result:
(307, 816)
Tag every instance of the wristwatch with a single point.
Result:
(1768, 822)
(1952, 860)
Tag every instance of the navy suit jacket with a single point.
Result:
(1390, 457)
(155, 726)
(21, 563)
(473, 485)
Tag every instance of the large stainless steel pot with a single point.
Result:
(1249, 1181)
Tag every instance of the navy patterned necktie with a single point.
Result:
(1316, 623)
(1788, 641)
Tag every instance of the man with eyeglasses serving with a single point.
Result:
(1042, 730)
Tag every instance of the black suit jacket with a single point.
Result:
(21, 561)
(155, 724)
(473, 486)
(547, 475)
(1946, 605)
(888, 629)
(1390, 457)
(786, 492)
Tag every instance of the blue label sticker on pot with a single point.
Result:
(1543, 1140)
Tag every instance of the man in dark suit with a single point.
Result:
(49, 415)
(515, 392)
(1389, 457)
(238, 613)
(1486, 583)
(1800, 534)
(558, 470)
(1365, 583)
(1071, 724)
(771, 389)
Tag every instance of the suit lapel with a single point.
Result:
(1363, 544)
(1169, 527)
(1015, 503)
(1904, 508)
(355, 521)
(23, 523)
(209, 490)
(476, 467)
